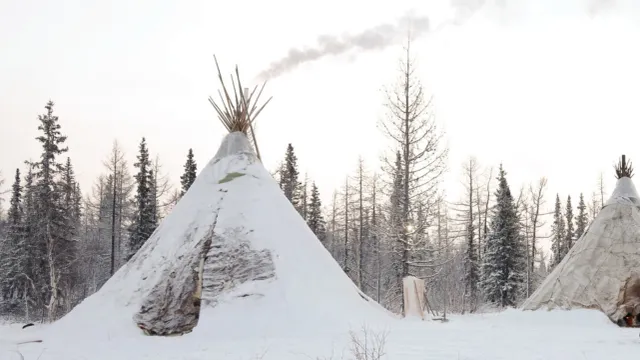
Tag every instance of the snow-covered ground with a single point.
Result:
(513, 334)
(272, 291)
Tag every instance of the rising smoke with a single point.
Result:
(385, 35)
(597, 6)
(375, 38)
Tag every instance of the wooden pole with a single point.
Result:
(253, 134)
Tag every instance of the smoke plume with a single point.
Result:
(376, 38)
(385, 35)
(597, 6)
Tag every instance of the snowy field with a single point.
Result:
(306, 309)
(513, 334)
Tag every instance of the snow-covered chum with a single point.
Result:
(602, 270)
(234, 249)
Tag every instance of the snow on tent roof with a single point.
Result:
(624, 193)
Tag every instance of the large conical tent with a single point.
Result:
(233, 258)
(602, 270)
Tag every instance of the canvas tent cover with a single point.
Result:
(602, 270)
(263, 263)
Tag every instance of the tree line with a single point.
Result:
(58, 246)
(382, 225)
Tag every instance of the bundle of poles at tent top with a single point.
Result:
(238, 109)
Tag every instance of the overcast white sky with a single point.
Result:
(548, 87)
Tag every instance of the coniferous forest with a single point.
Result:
(60, 242)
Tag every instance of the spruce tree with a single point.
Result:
(52, 245)
(569, 233)
(30, 214)
(396, 227)
(557, 234)
(77, 201)
(581, 220)
(503, 266)
(15, 255)
(153, 200)
(15, 214)
(289, 177)
(315, 220)
(71, 214)
(303, 207)
(471, 272)
(71, 201)
(143, 222)
(190, 172)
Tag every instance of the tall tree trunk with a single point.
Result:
(334, 213)
(113, 220)
(405, 191)
(53, 278)
(345, 264)
(361, 257)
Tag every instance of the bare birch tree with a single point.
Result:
(121, 189)
(361, 179)
(536, 214)
(468, 210)
(594, 206)
(483, 211)
(333, 226)
(161, 188)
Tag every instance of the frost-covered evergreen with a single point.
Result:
(315, 220)
(304, 198)
(53, 248)
(289, 182)
(395, 229)
(144, 219)
(190, 173)
(15, 213)
(13, 263)
(153, 201)
(569, 233)
(471, 271)
(377, 259)
(581, 219)
(29, 202)
(504, 260)
(71, 209)
(558, 234)
(72, 199)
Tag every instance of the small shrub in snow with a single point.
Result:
(368, 345)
